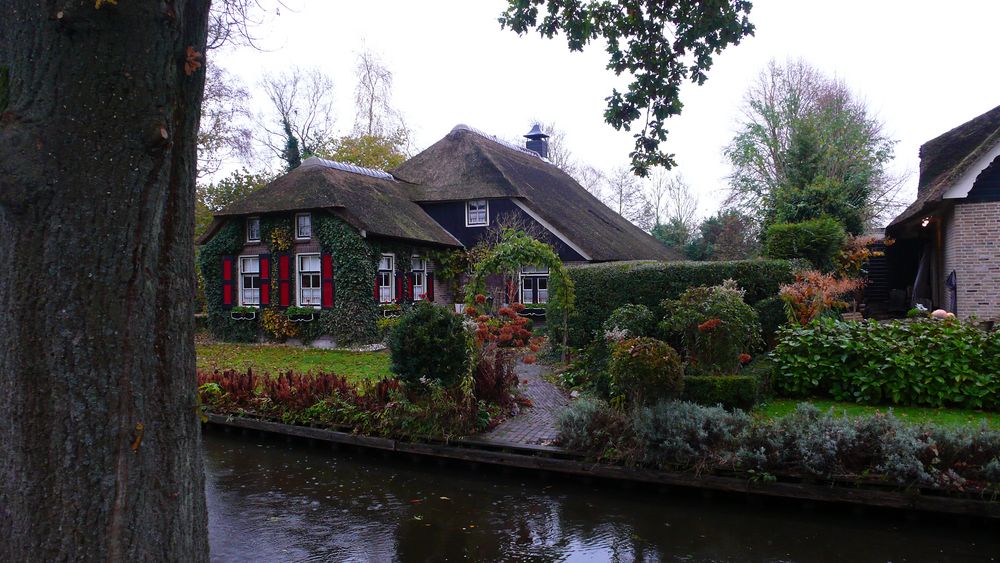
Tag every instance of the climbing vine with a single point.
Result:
(354, 267)
(228, 241)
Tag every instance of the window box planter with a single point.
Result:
(301, 317)
(243, 315)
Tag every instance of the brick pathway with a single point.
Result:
(534, 425)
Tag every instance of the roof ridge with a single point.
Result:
(497, 140)
(346, 167)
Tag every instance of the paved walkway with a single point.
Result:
(534, 425)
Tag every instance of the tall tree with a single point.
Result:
(624, 195)
(370, 151)
(658, 45)
(592, 179)
(301, 103)
(375, 115)
(224, 131)
(101, 447)
(672, 199)
(806, 147)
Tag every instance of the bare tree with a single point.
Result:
(672, 199)
(625, 195)
(302, 99)
(375, 116)
(224, 131)
(592, 179)
(231, 22)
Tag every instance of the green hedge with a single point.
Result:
(602, 288)
(927, 362)
(731, 391)
(816, 240)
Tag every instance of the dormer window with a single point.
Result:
(253, 229)
(477, 213)
(303, 226)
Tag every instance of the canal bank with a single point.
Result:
(547, 458)
(271, 498)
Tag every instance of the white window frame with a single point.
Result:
(533, 272)
(242, 300)
(299, 286)
(392, 279)
(486, 205)
(296, 226)
(419, 289)
(250, 221)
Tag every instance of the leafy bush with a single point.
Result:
(924, 362)
(715, 325)
(631, 320)
(818, 240)
(645, 370)
(601, 288)
(731, 391)
(590, 425)
(814, 295)
(277, 325)
(385, 326)
(430, 344)
(772, 316)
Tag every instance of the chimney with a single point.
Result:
(537, 141)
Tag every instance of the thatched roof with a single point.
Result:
(369, 200)
(467, 164)
(944, 159)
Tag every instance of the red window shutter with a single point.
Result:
(227, 281)
(284, 280)
(410, 280)
(264, 260)
(375, 293)
(430, 286)
(399, 288)
(326, 273)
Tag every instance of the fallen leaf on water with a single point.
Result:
(444, 498)
(418, 517)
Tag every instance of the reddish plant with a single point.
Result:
(814, 292)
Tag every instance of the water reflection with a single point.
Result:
(273, 501)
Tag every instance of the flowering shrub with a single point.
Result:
(507, 328)
(813, 293)
(644, 370)
(277, 325)
(920, 362)
(715, 326)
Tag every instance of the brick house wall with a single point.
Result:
(972, 250)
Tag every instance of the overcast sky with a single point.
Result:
(923, 67)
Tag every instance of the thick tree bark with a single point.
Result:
(99, 442)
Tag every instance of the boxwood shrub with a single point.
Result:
(602, 288)
(816, 240)
(920, 362)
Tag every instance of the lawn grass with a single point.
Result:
(275, 358)
(775, 408)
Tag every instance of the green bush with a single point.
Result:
(601, 288)
(715, 326)
(924, 362)
(772, 316)
(635, 320)
(686, 434)
(816, 240)
(731, 391)
(430, 344)
(385, 326)
(645, 370)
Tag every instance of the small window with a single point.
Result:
(253, 229)
(477, 213)
(418, 266)
(309, 281)
(249, 281)
(386, 278)
(303, 226)
(534, 285)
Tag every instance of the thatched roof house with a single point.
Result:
(470, 165)
(949, 238)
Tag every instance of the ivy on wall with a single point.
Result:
(352, 319)
(227, 242)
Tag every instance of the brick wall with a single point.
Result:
(972, 250)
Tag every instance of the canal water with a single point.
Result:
(270, 500)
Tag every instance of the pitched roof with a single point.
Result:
(467, 164)
(944, 159)
(369, 200)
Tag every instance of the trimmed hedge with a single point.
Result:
(602, 288)
(816, 240)
(730, 391)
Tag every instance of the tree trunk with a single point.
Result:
(101, 452)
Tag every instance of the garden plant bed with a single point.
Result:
(859, 491)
